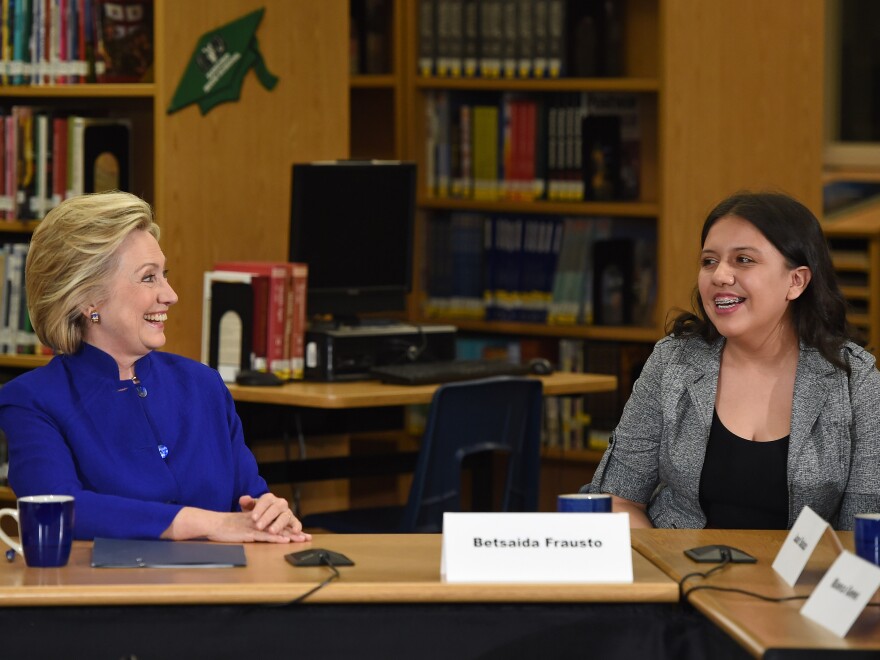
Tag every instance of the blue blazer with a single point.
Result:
(74, 428)
(656, 453)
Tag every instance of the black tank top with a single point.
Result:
(744, 484)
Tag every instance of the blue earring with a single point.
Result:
(94, 317)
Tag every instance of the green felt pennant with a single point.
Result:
(219, 63)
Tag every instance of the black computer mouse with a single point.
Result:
(540, 367)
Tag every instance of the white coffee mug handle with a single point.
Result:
(8, 541)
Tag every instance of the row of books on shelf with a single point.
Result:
(370, 36)
(254, 318)
(16, 333)
(75, 41)
(47, 156)
(576, 270)
(520, 38)
(557, 147)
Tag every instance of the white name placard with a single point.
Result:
(536, 547)
(842, 593)
(799, 545)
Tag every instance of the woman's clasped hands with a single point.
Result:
(272, 520)
(266, 519)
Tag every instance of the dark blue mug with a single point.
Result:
(867, 536)
(45, 525)
(584, 503)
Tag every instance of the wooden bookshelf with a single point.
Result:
(854, 239)
(619, 209)
(376, 106)
(545, 85)
(723, 114)
(18, 226)
(80, 91)
(23, 361)
(220, 182)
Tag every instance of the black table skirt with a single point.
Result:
(448, 632)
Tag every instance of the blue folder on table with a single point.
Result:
(135, 553)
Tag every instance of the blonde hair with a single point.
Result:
(72, 254)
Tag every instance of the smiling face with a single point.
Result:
(745, 284)
(134, 313)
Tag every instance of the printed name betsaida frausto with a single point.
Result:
(535, 543)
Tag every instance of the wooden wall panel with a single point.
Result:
(741, 107)
(223, 179)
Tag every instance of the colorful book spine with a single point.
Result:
(299, 277)
(11, 169)
(485, 152)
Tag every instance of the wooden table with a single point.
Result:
(388, 568)
(391, 604)
(372, 393)
(762, 628)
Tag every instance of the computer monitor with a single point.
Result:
(352, 223)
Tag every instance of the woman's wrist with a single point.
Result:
(190, 523)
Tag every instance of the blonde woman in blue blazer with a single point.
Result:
(757, 403)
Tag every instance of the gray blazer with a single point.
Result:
(657, 450)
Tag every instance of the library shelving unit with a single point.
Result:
(854, 239)
(730, 95)
(376, 83)
(133, 101)
(220, 182)
(720, 113)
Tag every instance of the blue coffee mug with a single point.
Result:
(584, 503)
(45, 524)
(867, 536)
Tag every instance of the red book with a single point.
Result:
(277, 351)
(530, 147)
(299, 285)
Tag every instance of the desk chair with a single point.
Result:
(465, 418)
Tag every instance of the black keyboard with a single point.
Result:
(428, 373)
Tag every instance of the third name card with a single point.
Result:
(802, 539)
(536, 547)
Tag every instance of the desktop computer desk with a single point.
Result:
(359, 395)
(372, 393)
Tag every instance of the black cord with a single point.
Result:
(754, 594)
(327, 562)
(725, 560)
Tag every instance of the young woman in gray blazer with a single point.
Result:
(757, 403)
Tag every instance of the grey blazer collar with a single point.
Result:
(814, 379)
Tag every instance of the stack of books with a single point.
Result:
(62, 42)
(534, 268)
(520, 38)
(16, 333)
(567, 147)
(254, 317)
(47, 156)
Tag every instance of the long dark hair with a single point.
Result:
(819, 313)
